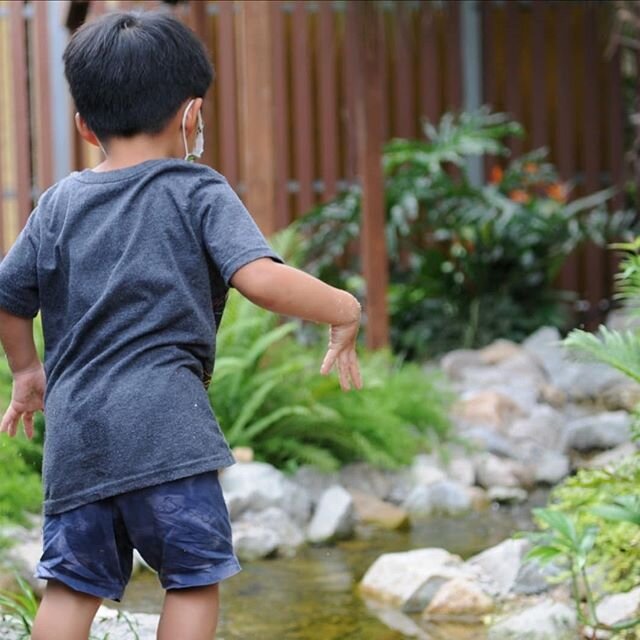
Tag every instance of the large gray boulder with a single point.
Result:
(361, 476)
(493, 471)
(255, 486)
(314, 481)
(579, 380)
(445, 497)
(503, 569)
(619, 607)
(598, 431)
(547, 620)
(257, 531)
(410, 580)
(334, 518)
(543, 426)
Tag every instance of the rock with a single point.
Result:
(598, 431)
(455, 363)
(499, 351)
(547, 620)
(459, 598)
(410, 580)
(543, 426)
(290, 536)
(484, 438)
(579, 380)
(401, 485)
(611, 457)
(252, 541)
(619, 607)
(493, 471)
(479, 498)
(462, 470)
(551, 468)
(243, 454)
(122, 625)
(314, 481)
(362, 476)
(334, 516)
(425, 470)
(488, 408)
(624, 395)
(553, 396)
(623, 320)
(533, 578)
(382, 514)
(501, 566)
(507, 495)
(445, 497)
(254, 486)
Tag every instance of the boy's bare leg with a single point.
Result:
(189, 614)
(64, 614)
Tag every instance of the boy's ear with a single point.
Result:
(191, 120)
(85, 132)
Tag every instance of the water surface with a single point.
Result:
(313, 596)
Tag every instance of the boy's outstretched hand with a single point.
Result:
(27, 397)
(342, 353)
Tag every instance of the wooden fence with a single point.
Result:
(307, 91)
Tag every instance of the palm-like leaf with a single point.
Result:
(618, 349)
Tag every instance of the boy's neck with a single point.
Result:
(128, 152)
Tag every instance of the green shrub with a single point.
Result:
(468, 263)
(268, 394)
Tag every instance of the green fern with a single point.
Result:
(618, 349)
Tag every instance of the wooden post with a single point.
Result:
(258, 117)
(366, 25)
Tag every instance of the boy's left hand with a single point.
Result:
(27, 397)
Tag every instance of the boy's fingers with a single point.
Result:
(27, 421)
(328, 362)
(10, 422)
(343, 375)
(354, 367)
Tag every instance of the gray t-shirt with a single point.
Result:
(130, 269)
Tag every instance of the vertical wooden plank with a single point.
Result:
(367, 24)
(593, 255)
(513, 93)
(302, 108)
(3, 141)
(258, 117)
(349, 80)
(327, 80)
(226, 57)
(202, 26)
(44, 157)
(281, 106)
(21, 110)
(564, 134)
(615, 121)
(404, 121)
(489, 54)
(429, 69)
(539, 135)
(454, 56)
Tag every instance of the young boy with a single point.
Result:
(129, 265)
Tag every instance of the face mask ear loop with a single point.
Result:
(184, 132)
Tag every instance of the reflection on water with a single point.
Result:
(314, 597)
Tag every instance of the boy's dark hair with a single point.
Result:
(130, 72)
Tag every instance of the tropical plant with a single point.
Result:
(20, 606)
(468, 262)
(267, 394)
(593, 521)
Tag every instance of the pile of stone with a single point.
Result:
(498, 587)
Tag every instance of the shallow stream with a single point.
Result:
(314, 595)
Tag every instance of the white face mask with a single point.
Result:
(199, 144)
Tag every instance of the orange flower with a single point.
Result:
(557, 192)
(530, 167)
(496, 174)
(518, 195)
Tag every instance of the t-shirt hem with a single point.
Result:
(151, 478)
(229, 269)
(10, 304)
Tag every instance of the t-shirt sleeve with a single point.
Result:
(231, 237)
(18, 273)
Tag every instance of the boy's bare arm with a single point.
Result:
(292, 292)
(16, 335)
